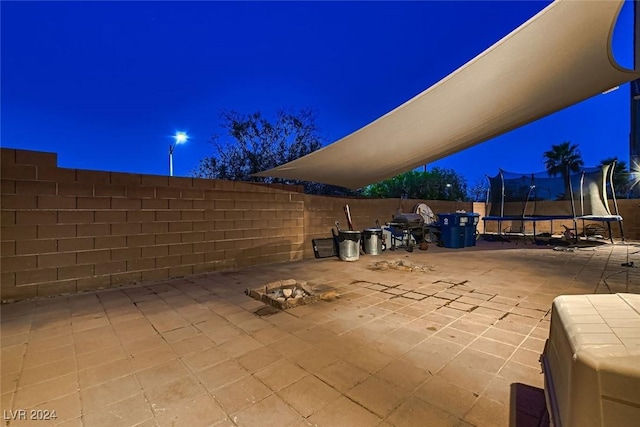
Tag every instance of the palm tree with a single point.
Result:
(563, 159)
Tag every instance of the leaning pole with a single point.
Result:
(634, 140)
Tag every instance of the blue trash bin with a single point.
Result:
(471, 228)
(452, 230)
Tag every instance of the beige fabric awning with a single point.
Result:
(558, 58)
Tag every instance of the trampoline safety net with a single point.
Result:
(573, 195)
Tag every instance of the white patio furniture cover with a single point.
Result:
(558, 58)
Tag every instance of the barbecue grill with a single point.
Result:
(403, 227)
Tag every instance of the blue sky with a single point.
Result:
(106, 84)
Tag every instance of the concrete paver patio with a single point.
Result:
(458, 344)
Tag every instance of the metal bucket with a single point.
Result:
(372, 241)
(349, 245)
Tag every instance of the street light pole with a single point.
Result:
(180, 138)
(171, 147)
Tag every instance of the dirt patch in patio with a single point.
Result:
(401, 265)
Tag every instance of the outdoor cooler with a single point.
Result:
(591, 361)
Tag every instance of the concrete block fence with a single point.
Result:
(69, 230)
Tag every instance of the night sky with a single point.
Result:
(106, 84)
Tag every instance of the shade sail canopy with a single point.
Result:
(558, 58)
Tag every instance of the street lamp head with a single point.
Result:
(181, 137)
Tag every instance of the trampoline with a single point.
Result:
(573, 197)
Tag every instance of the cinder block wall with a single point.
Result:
(629, 210)
(67, 230)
